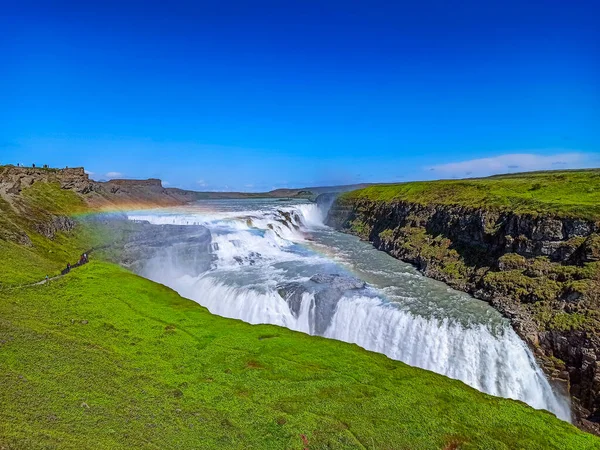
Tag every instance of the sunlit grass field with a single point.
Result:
(105, 359)
(573, 193)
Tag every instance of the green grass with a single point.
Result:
(20, 264)
(563, 193)
(46, 198)
(105, 359)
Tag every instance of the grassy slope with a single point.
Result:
(105, 359)
(24, 264)
(564, 193)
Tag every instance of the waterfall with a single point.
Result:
(499, 364)
(260, 255)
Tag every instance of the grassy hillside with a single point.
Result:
(563, 193)
(26, 254)
(105, 359)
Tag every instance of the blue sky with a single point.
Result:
(253, 95)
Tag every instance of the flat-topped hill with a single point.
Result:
(568, 193)
(155, 182)
(13, 178)
(112, 194)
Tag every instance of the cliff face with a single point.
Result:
(18, 212)
(14, 179)
(541, 271)
(131, 194)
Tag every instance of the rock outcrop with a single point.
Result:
(137, 194)
(541, 271)
(14, 179)
(22, 214)
(112, 194)
(327, 290)
(56, 224)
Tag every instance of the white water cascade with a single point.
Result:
(265, 254)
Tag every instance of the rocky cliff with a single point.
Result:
(21, 212)
(540, 270)
(109, 194)
(14, 179)
(137, 194)
(27, 205)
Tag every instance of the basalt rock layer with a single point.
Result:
(14, 179)
(541, 271)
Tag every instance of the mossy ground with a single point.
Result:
(563, 193)
(105, 359)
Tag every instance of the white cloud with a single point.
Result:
(113, 174)
(513, 162)
(201, 183)
(89, 173)
(249, 185)
(165, 183)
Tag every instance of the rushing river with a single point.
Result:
(275, 262)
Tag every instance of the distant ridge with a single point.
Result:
(138, 193)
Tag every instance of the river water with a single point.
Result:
(273, 261)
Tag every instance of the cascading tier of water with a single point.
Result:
(275, 262)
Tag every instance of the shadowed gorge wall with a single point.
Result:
(540, 270)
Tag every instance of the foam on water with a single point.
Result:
(498, 364)
(255, 250)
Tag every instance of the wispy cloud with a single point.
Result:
(513, 162)
(89, 172)
(201, 183)
(165, 183)
(113, 174)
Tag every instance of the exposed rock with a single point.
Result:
(150, 182)
(30, 217)
(338, 282)
(327, 290)
(129, 194)
(56, 224)
(292, 293)
(531, 268)
(14, 179)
